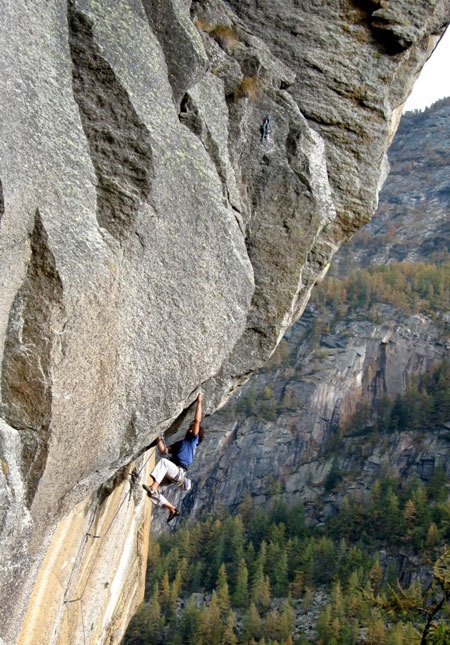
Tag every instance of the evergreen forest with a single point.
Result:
(412, 287)
(408, 288)
(380, 566)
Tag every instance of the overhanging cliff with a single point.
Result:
(155, 237)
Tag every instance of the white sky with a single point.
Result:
(434, 80)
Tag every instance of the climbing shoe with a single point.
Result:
(172, 514)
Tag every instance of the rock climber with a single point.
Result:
(266, 128)
(177, 458)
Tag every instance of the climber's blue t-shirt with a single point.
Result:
(182, 452)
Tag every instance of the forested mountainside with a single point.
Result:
(263, 576)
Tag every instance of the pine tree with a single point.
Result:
(354, 597)
(214, 542)
(154, 567)
(376, 630)
(324, 560)
(324, 626)
(229, 637)
(337, 600)
(258, 588)
(433, 536)
(146, 625)
(410, 514)
(286, 621)
(394, 525)
(297, 585)
(257, 527)
(334, 475)
(164, 593)
(223, 596)
(399, 414)
(306, 560)
(295, 522)
(280, 575)
(266, 595)
(251, 624)
(271, 625)
(185, 542)
(246, 508)
(155, 621)
(189, 623)
(175, 592)
(240, 596)
(375, 577)
(402, 634)
(436, 484)
(233, 551)
(214, 621)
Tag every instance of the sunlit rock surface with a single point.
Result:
(152, 241)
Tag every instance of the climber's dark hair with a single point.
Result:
(201, 432)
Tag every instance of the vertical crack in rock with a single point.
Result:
(119, 142)
(2, 201)
(34, 322)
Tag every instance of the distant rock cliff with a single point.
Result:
(154, 240)
(412, 221)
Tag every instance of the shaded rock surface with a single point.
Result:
(151, 242)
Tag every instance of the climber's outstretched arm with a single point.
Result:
(195, 427)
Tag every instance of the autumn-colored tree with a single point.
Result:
(375, 577)
(229, 636)
(252, 624)
(209, 629)
(297, 558)
(297, 585)
(376, 629)
(433, 536)
(410, 513)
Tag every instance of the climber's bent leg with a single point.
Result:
(166, 469)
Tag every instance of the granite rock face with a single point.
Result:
(153, 240)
